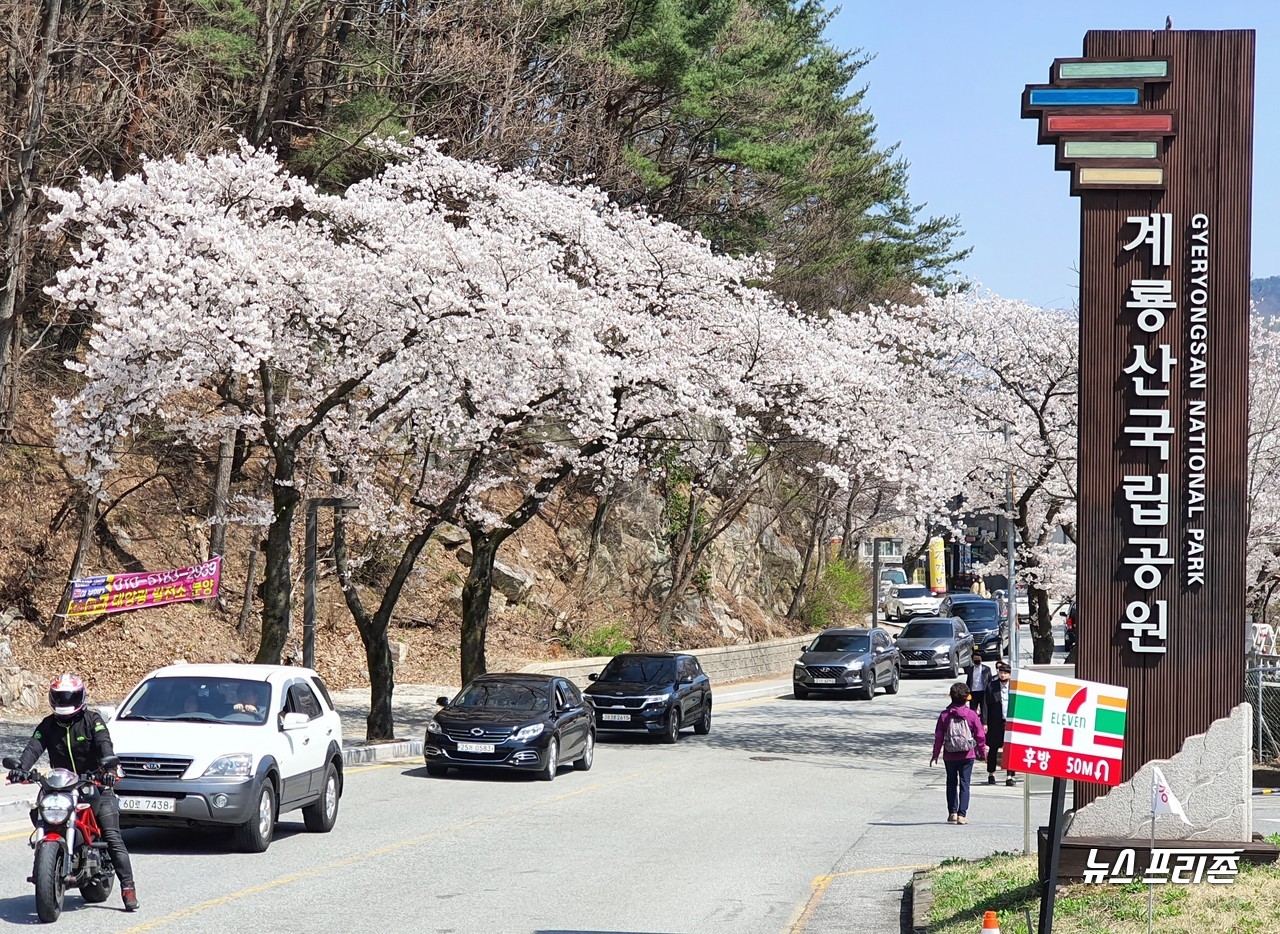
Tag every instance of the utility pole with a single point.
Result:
(875, 578)
(309, 589)
(1011, 594)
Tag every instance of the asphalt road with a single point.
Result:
(791, 816)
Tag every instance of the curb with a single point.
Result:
(358, 755)
(10, 809)
(921, 894)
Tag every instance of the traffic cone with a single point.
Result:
(990, 923)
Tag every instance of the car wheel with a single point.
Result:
(703, 726)
(435, 771)
(254, 835)
(588, 753)
(894, 682)
(954, 669)
(799, 692)
(322, 814)
(672, 733)
(548, 771)
(869, 684)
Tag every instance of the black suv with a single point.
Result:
(655, 693)
(847, 660)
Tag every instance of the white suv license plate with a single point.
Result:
(475, 747)
(912, 661)
(824, 680)
(617, 717)
(159, 805)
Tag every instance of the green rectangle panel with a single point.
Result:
(1110, 722)
(1113, 70)
(1100, 149)
(1026, 707)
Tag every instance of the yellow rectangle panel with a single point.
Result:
(1118, 703)
(1066, 688)
(1105, 176)
(1023, 687)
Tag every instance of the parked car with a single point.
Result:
(1069, 627)
(657, 693)
(936, 644)
(982, 619)
(908, 600)
(952, 599)
(229, 745)
(847, 660)
(531, 723)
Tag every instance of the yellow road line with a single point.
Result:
(390, 764)
(820, 885)
(227, 899)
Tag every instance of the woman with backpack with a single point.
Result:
(960, 738)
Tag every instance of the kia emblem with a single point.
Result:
(152, 766)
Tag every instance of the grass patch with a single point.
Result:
(1006, 883)
(609, 639)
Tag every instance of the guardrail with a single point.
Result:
(725, 663)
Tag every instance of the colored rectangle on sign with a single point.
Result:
(1104, 176)
(1109, 123)
(1109, 149)
(1031, 758)
(1113, 70)
(1077, 97)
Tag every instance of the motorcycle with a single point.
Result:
(69, 847)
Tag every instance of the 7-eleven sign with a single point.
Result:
(1065, 728)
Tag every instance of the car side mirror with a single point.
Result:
(686, 679)
(294, 721)
(592, 676)
(442, 701)
(109, 763)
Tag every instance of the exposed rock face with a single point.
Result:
(450, 535)
(513, 583)
(19, 688)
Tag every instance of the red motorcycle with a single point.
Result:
(69, 847)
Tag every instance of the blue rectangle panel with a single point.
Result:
(1059, 97)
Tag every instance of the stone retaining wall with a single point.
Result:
(729, 663)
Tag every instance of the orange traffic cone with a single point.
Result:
(990, 923)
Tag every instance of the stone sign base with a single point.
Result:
(1212, 778)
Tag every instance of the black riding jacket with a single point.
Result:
(78, 744)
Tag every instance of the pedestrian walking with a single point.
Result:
(997, 704)
(977, 679)
(960, 738)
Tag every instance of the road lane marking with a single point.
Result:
(389, 764)
(219, 901)
(820, 885)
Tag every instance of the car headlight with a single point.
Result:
(433, 727)
(55, 808)
(657, 698)
(945, 650)
(800, 663)
(238, 765)
(527, 733)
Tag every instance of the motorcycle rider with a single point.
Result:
(76, 739)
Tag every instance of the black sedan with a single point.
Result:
(847, 660)
(982, 618)
(529, 722)
(659, 694)
(936, 644)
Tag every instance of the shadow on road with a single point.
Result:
(821, 728)
(21, 909)
(196, 841)
(482, 774)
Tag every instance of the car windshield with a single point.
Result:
(840, 642)
(504, 695)
(199, 700)
(909, 592)
(976, 614)
(639, 669)
(893, 577)
(935, 630)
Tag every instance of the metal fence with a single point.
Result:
(1262, 690)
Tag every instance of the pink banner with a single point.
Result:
(115, 593)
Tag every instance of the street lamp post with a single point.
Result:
(309, 587)
(1011, 594)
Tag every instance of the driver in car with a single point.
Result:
(76, 739)
(247, 700)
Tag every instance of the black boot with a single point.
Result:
(130, 896)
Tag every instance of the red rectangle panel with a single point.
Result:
(1109, 123)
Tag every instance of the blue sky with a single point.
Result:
(946, 84)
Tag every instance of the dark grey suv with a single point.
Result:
(936, 644)
(847, 660)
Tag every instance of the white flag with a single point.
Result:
(1163, 800)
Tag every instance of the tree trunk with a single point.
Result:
(218, 507)
(797, 599)
(604, 504)
(277, 578)
(1040, 624)
(475, 602)
(87, 525)
(13, 215)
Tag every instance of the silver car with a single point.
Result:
(908, 600)
(936, 643)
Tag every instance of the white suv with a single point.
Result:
(230, 745)
(908, 600)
